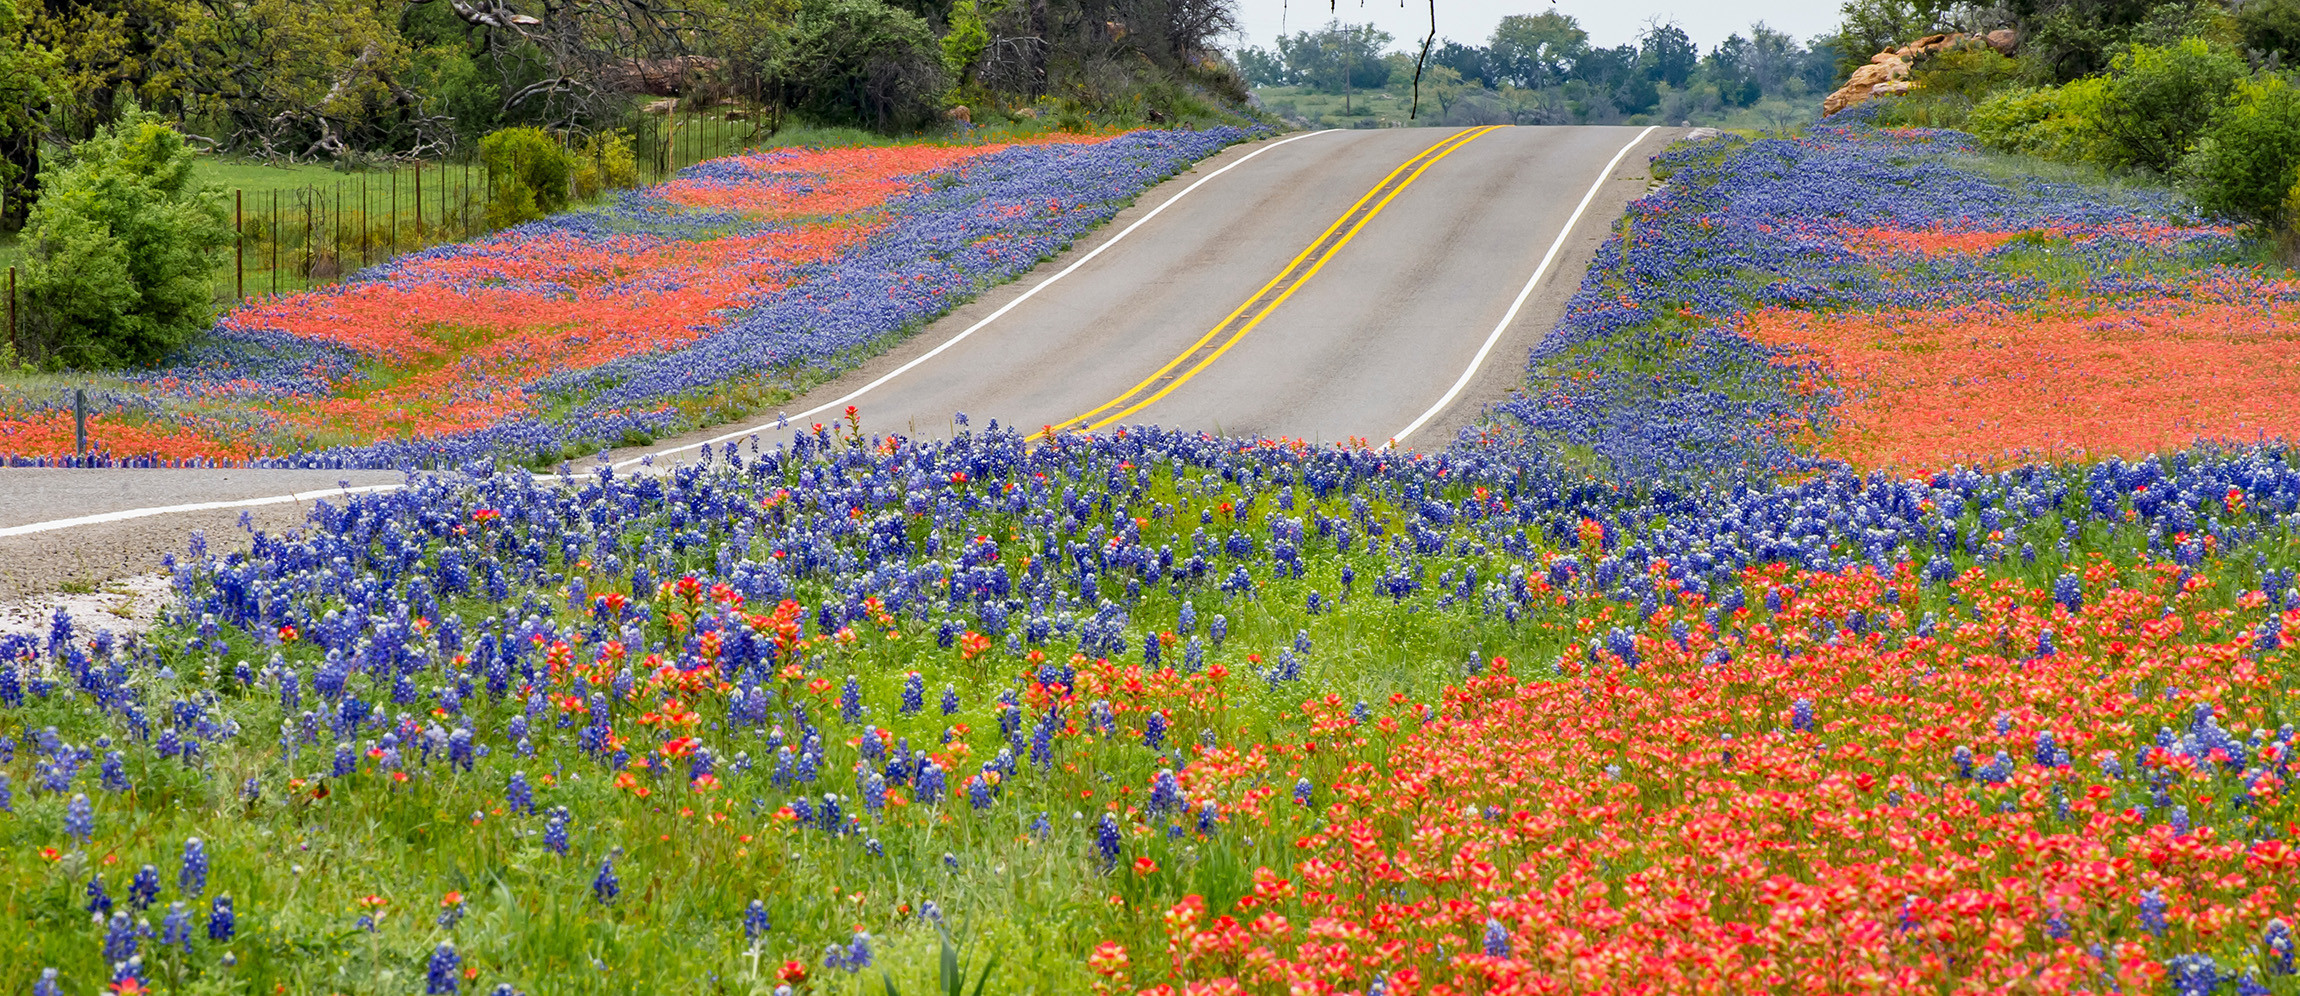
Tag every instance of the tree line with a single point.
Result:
(1550, 72)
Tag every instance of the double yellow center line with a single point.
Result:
(1245, 317)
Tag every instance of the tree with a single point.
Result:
(1730, 67)
(1535, 50)
(1470, 61)
(1872, 26)
(1338, 58)
(1263, 67)
(23, 104)
(2247, 165)
(856, 62)
(529, 175)
(1667, 54)
(120, 250)
(2162, 97)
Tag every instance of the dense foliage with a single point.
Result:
(529, 175)
(118, 250)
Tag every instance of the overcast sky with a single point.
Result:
(1609, 22)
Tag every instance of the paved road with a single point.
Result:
(1407, 248)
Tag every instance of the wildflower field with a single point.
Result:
(737, 283)
(1699, 669)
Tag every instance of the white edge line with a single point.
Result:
(976, 327)
(1522, 294)
(205, 506)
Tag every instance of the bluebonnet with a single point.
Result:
(2152, 908)
(2193, 974)
(2068, 590)
(176, 928)
(47, 985)
(192, 877)
(120, 938)
(1106, 839)
(555, 833)
(605, 886)
(144, 888)
(1801, 715)
(854, 956)
(79, 818)
(913, 694)
(1302, 790)
(221, 923)
(2278, 942)
(755, 920)
(99, 901)
(440, 974)
(518, 796)
(1496, 939)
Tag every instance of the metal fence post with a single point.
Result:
(80, 419)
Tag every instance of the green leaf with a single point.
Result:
(953, 978)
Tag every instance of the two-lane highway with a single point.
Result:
(1334, 287)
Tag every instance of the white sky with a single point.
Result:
(1609, 22)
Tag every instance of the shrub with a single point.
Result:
(2247, 164)
(2056, 122)
(528, 175)
(2270, 26)
(120, 249)
(851, 62)
(1950, 83)
(605, 162)
(2161, 98)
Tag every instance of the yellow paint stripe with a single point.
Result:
(1387, 189)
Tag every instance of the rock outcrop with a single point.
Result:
(1888, 71)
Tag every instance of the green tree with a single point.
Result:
(120, 250)
(23, 104)
(1535, 50)
(2162, 97)
(2270, 27)
(1871, 26)
(858, 62)
(2249, 160)
(528, 175)
(1667, 54)
(963, 44)
(1339, 57)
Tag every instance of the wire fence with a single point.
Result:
(291, 240)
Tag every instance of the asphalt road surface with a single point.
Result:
(1327, 286)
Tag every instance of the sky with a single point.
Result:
(1609, 22)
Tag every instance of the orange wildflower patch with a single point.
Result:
(1989, 385)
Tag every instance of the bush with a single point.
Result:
(2248, 163)
(2161, 98)
(528, 175)
(1950, 84)
(120, 249)
(2061, 123)
(605, 163)
(856, 62)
